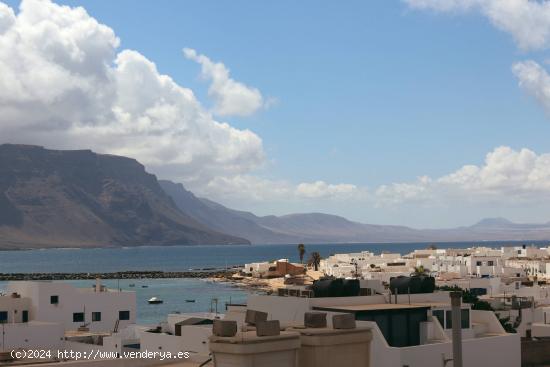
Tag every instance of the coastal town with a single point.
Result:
(274, 183)
(430, 307)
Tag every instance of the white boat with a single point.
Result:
(155, 301)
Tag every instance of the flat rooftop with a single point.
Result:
(380, 306)
(80, 334)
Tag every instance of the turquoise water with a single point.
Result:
(173, 292)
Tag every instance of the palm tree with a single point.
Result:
(301, 252)
(315, 260)
(420, 270)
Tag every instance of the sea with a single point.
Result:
(207, 295)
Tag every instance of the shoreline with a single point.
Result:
(246, 283)
(210, 275)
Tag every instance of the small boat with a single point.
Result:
(132, 285)
(144, 286)
(190, 300)
(155, 301)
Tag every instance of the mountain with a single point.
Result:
(293, 228)
(493, 223)
(326, 228)
(53, 198)
(504, 229)
(218, 217)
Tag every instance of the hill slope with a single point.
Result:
(51, 198)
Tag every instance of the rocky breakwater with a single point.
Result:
(215, 274)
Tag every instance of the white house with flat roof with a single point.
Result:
(362, 263)
(20, 331)
(100, 310)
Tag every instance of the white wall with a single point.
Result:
(14, 307)
(194, 339)
(539, 330)
(32, 335)
(497, 351)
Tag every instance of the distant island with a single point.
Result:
(77, 198)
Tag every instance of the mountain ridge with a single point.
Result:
(77, 198)
(329, 228)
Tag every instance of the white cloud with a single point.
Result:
(528, 21)
(507, 175)
(401, 192)
(320, 189)
(7, 17)
(534, 80)
(64, 84)
(511, 183)
(247, 187)
(231, 98)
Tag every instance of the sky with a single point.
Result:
(426, 113)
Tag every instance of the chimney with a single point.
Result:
(456, 300)
(98, 284)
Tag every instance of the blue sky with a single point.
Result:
(367, 93)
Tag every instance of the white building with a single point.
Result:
(363, 263)
(524, 251)
(408, 334)
(100, 310)
(20, 331)
(469, 264)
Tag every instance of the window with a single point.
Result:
(490, 263)
(54, 300)
(449, 320)
(25, 316)
(96, 316)
(124, 315)
(465, 318)
(3, 317)
(78, 317)
(478, 263)
(440, 316)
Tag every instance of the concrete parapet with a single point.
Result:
(323, 347)
(246, 349)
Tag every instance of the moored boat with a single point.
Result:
(155, 301)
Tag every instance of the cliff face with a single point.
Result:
(51, 198)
